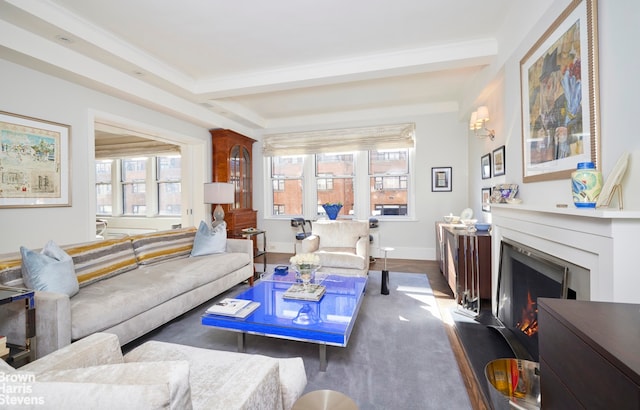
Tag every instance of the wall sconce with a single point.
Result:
(218, 193)
(478, 122)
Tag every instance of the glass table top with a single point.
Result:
(328, 321)
(8, 294)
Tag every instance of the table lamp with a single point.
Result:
(218, 193)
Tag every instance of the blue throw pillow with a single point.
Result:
(50, 270)
(210, 240)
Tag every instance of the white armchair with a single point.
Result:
(343, 246)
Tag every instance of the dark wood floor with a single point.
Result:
(444, 297)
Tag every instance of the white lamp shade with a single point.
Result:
(473, 120)
(219, 193)
(483, 113)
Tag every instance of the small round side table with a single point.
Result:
(384, 288)
(324, 400)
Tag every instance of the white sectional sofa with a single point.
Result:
(128, 286)
(92, 373)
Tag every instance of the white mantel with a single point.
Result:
(603, 241)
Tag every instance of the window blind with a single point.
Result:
(392, 136)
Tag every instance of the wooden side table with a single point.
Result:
(20, 352)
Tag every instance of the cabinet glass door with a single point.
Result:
(240, 176)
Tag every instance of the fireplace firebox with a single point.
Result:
(524, 275)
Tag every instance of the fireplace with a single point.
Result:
(602, 241)
(524, 275)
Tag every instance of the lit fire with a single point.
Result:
(529, 321)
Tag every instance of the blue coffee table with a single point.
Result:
(326, 322)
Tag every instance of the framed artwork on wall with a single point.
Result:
(441, 179)
(485, 166)
(498, 161)
(486, 199)
(559, 106)
(35, 168)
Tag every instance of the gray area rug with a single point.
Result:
(398, 357)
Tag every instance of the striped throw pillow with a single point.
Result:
(159, 246)
(94, 261)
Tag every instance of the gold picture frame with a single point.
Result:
(35, 168)
(559, 96)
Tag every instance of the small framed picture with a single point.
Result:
(498, 161)
(441, 179)
(485, 166)
(486, 199)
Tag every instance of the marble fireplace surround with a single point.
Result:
(605, 242)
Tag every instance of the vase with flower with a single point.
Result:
(332, 209)
(305, 265)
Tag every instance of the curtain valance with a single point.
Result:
(137, 149)
(340, 140)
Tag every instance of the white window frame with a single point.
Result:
(151, 190)
(361, 189)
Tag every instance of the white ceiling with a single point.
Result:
(262, 64)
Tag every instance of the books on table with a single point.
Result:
(239, 308)
(312, 291)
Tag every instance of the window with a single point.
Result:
(389, 182)
(278, 183)
(339, 187)
(325, 184)
(133, 194)
(104, 198)
(169, 187)
(286, 183)
(278, 209)
(384, 174)
(367, 169)
(134, 173)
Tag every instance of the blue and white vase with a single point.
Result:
(586, 184)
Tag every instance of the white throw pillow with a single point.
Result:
(50, 270)
(210, 240)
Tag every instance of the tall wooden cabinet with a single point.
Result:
(232, 163)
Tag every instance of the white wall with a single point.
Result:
(618, 68)
(31, 93)
(442, 138)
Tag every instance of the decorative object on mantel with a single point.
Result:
(613, 183)
(586, 184)
(332, 209)
(503, 192)
(559, 98)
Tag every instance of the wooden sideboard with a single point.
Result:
(589, 354)
(457, 261)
